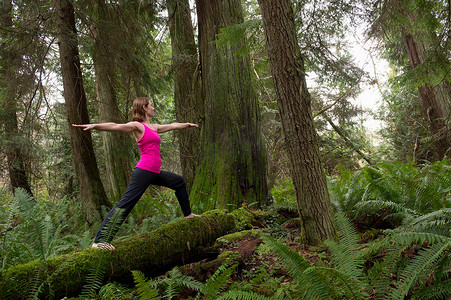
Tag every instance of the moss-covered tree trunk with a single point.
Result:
(293, 100)
(233, 165)
(91, 188)
(153, 253)
(115, 145)
(13, 143)
(188, 103)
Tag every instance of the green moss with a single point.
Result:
(152, 252)
(246, 219)
(229, 238)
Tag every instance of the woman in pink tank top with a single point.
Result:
(148, 170)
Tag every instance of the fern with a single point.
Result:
(146, 291)
(38, 291)
(114, 291)
(312, 286)
(410, 237)
(175, 280)
(421, 263)
(346, 253)
(95, 278)
(242, 295)
(216, 283)
(344, 286)
(4, 249)
(439, 291)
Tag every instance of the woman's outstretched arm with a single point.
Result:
(173, 126)
(126, 128)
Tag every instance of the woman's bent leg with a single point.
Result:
(177, 183)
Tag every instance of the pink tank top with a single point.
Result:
(149, 145)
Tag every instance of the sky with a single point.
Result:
(366, 57)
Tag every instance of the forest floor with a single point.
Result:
(255, 267)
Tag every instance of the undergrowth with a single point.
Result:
(393, 220)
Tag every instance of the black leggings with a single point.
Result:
(141, 180)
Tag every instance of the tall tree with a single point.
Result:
(422, 27)
(233, 165)
(293, 100)
(188, 104)
(105, 35)
(13, 142)
(91, 188)
(431, 107)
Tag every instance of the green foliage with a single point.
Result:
(94, 280)
(312, 286)
(167, 287)
(115, 291)
(284, 195)
(217, 282)
(145, 289)
(402, 188)
(30, 232)
(406, 267)
(242, 295)
(345, 253)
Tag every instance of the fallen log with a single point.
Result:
(153, 253)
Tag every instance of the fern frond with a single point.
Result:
(381, 205)
(438, 291)
(113, 291)
(145, 290)
(313, 286)
(345, 253)
(381, 282)
(408, 238)
(94, 280)
(344, 285)
(418, 265)
(443, 214)
(37, 292)
(242, 295)
(179, 280)
(113, 225)
(215, 284)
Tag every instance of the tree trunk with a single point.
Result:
(432, 110)
(293, 99)
(92, 192)
(115, 145)
(233, 166)
(13, 142)
(188, 103)
(153, 253)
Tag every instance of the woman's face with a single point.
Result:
(149, 110)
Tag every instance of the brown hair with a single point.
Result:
(138, 112)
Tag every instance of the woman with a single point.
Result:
(147, 170)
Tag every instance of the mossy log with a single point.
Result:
(153, 253)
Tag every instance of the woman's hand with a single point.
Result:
(85, 126)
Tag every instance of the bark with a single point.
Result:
(91, 188)
(432, 110)
(233, 166)
(188, 103)
(13, 140)
(293, 99)
(153, 253)
(115, 145)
